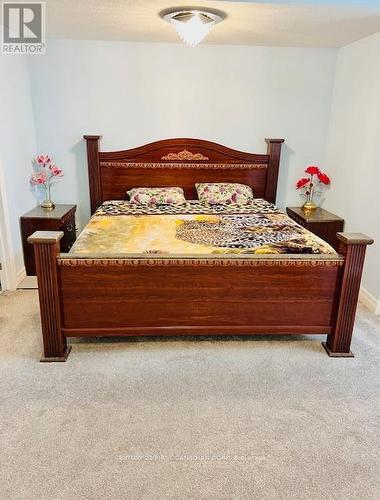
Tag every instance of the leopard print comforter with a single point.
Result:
(120, 227)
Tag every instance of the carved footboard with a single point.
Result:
(194, 296)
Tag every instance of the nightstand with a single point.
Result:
(320, 222)
(61, 218)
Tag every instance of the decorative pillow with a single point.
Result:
(157, 196)
(224, 192)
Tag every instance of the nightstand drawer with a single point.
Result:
(320, 222)
(61, 218)
(69, 236)
(299, 221)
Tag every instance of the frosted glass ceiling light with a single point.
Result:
(192, 25)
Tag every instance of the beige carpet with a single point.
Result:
(251, 419)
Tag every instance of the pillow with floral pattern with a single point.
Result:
(224, 192)
(157, 196)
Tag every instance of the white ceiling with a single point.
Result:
(294, 23)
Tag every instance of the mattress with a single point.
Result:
(120, 228)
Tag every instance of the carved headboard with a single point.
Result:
(179, 162)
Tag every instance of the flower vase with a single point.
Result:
(47, 204)
(309, 205)
(313, 201)
(313, 187)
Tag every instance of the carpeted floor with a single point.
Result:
(186, 419)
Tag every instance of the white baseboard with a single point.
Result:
(368, 300)
(20, 275)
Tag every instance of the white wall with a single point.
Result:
(353, 147)
(17, 145)
(133, 93)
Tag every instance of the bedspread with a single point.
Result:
(119, 227)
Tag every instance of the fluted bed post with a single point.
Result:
(92, 142)
(274, 152)
(353, 247)
(46, 248)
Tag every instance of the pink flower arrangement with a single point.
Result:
(38, 178)
(43, 159)
(55, 171)
(312, 184)
(46, 173)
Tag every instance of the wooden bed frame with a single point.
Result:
(174, 295)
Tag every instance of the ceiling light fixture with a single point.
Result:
(192, 24)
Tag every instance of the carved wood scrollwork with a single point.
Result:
(184, 155)
(207, 166)
(88, 262)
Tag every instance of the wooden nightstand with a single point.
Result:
(61, 218)
(320, 222)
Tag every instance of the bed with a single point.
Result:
(193, 270)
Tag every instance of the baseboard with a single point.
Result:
(20, 275)
(25, 282)
(368, 300)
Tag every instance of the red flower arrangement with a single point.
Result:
(324, 178)
(313, 184)
(302, 182)
(312, 170)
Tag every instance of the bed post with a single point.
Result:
(92, 142)
(353, 247)
(274, 152)
(46, 249)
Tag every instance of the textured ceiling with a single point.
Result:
(298, 23)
